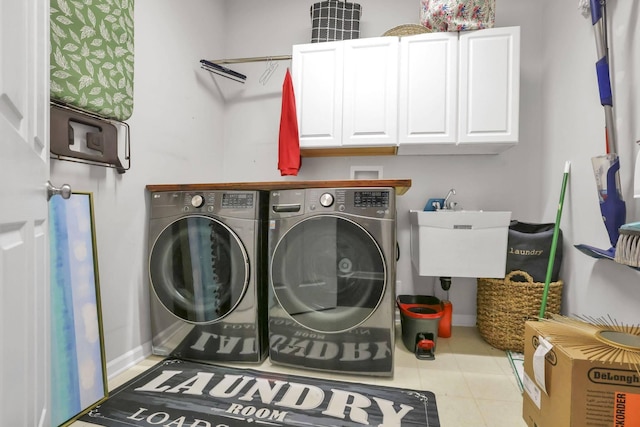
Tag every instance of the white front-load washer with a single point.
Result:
(332, 267)
(207, 275)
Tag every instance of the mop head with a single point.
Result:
(628, 246)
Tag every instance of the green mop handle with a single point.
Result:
(554, 241)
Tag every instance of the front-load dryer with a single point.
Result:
(332, 279)
(207, 275)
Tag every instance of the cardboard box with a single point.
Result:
(580, 392)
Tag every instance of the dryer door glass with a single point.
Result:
(328, 273)
(199, 269)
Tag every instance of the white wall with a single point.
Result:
(560, 120)
(176, 137)
(501, 182)
(574, 130)
(190, 126)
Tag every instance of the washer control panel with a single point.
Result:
(372, 202)
(371, 199)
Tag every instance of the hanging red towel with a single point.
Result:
(289, 141)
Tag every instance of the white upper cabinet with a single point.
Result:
(489, 86)
(427, 102)
(436, 93)
(370, 106)
(459, 92)
(346, 92)
(317, 84)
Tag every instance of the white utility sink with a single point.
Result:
(450, 243)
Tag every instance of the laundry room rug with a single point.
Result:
(188, 394)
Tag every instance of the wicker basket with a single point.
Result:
(406, 30)
(503, 306)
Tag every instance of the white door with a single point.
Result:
(370, 93)
(317, 85)
(428, 106)
(24, 252)
(489, 85)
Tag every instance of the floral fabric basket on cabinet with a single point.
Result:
(460, 15)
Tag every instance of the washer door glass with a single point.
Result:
(199, 269)
(328, 273)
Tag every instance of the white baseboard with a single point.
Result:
(127, 360)
(463, 320)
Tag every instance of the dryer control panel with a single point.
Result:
(237, 204)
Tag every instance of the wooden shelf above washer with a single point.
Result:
(401, 185)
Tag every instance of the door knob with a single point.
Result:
(64, 191)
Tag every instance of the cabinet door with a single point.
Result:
(370, 101)
(428, 104)
(317, 84)
(489, 85)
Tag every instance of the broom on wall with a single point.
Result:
(601, 339)
(554, 241)
(628, 248)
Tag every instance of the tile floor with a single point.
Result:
(473, 382)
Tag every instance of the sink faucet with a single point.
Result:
(449, 205)
(441, 204)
